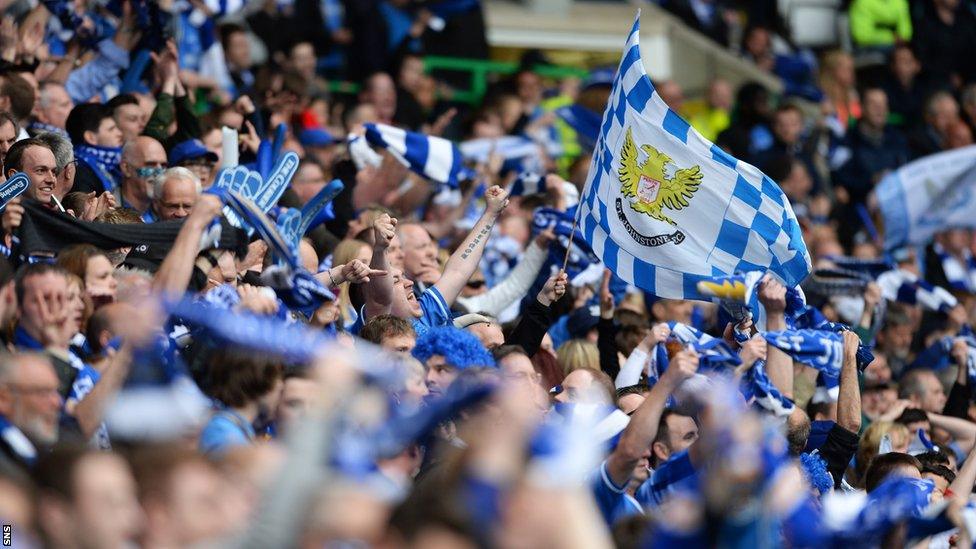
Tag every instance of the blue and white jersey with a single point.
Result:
(612, 500)
(672, 475)
(435, 311)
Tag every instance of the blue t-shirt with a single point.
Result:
(666, 479)
(435, 311)
(612, 500)
(224, 431)
(433, 307)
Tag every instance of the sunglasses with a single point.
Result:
(476, 284)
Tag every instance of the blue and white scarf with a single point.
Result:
(104, 161)
(943, 348)
(757, 388)
(823, 350)
(959, 272)
(581, 255)
(17, 441)
(895, 500)
(527, 182)
(37, 127)
(904, 287)
(819, 349)
(739, 296)
(871, 267)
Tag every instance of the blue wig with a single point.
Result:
(459, 348)
(815, 469)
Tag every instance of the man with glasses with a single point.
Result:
(29, 407)
(143, 161)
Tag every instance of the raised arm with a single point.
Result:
(642, 429)
(957, 404)
(463, 262)
(537, 315)
(849, 399)
(630, 372)
(962, 431)
(176, 270)
(90, 410)
(779, 365)
(606, 341)
(379, 290)
(963, 485)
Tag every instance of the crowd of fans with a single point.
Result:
(463, 385)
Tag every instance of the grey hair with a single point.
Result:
(64, 153)
(46, 85)
(178, 172)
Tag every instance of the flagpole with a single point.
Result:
(571, 235)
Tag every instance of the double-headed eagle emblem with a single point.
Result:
(650, 185)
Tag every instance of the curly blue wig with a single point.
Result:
(459, 348)
(815, 469)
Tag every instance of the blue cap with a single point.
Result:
(602, 76)
(581, 321)
(189, 150)
(315, 137)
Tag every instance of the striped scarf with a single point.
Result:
(105, 161)
(36, 128)
(959, 272)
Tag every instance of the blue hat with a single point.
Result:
(189, 150)
(315, 137)
(602, 76)
(582, 320)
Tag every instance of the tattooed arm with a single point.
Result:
(463, 262)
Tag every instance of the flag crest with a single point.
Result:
(665, 208)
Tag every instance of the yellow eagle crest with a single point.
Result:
(648, 184)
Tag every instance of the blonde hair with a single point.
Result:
(346, 251)
(576, 354)
(867, 448)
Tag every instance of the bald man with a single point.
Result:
(419, 254)
(143, 159)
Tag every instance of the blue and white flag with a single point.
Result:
(928, 195)
(435, 158)
(665, 208)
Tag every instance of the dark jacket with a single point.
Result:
(871, 156)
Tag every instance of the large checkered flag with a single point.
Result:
(664, 207)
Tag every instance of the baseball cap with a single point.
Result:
(189, 150)
(471, 319)
(315, 137)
